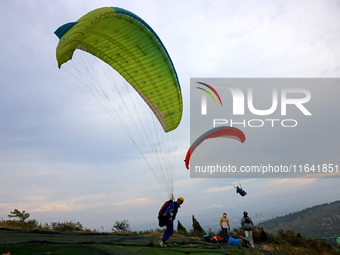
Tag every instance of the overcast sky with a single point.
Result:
(61, 156)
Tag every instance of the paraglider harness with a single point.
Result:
(241, 241)
(165, 220)
(240, 191)
(213, 239)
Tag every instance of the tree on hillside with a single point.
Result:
(121, 226)
(21, 215)
(181, 229)
(197, 229)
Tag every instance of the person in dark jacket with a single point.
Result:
(247, 225)
(170, 213)
(263, 236)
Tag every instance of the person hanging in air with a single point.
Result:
(240, 191)
(170, 215)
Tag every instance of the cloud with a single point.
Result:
(136, 202)
(292, 182)
(218, 189)
(215, 206)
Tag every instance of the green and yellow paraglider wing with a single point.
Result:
(132, 48)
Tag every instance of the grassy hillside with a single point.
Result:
(31, 237)
(317, 221)
(17, 242)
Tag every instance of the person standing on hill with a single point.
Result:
(263, 236)
(247, 225)
(170, 213)
(225, 226)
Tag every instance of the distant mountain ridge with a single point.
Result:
(317, 221)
